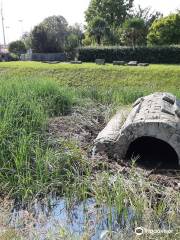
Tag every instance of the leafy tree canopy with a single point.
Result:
(98, 28)
(147, 14)
(50, 35)
(113, 12)
(17, 47)
(132, 33)
(165, 31)
(26, 39)
(73, 39)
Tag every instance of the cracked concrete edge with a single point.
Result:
(155, 115)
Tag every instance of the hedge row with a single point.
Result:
(170, 54)
(8, 57)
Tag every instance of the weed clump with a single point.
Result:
(24, 153)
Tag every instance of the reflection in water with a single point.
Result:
(85, 217)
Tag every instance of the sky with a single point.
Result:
(22, 15)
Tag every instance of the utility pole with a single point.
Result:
(2, 18)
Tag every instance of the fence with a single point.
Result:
(44, 57)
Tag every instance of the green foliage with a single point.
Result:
(13, 57)
(104, 18)
(128, 198)
(147, 15)
(113, 12)
(119, 17)
(25, 158)
(49, 36)
(140, 54)
(39, 40)
(54, 35)
(17, 47)
(98, 29)
(165, 30)
(87, 40)
(9, 57)
(133, 32)
(73, 40)
(106, 84)
(32, 165)
(76, 30)
(27, 38)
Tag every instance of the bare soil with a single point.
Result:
(83, 126)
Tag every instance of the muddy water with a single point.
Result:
(54, 218)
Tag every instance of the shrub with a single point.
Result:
(17, 47)
(13, 57)
(9, 57)
(165, 30)
(164, 54)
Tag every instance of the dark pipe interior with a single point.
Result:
(152, 153)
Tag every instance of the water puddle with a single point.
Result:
(55, 219)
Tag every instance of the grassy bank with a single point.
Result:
(41, 146)
(27, 163)
(106, 84)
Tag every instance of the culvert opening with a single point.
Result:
(152, 153)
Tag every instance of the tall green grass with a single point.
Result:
(106, 84)
(131, 201)
(112, 96)
(31, 93)
(25, 157)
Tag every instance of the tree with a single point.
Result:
(87, 40)
(147, 14)
(98, 29)
(26, 39)
(114, 12)
(39, 40)
(73, 39)
(17, 47)
(76, 29)
(132, 33)
(50, 35)
(165, 31)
